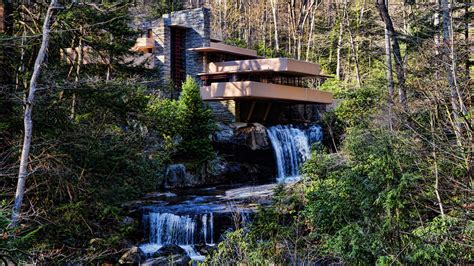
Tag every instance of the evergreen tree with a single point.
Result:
(197, 122)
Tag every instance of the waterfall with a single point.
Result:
(182, 230)
(292, 146)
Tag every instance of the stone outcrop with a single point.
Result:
(169, 254)
(245, 153)
(251, 136)
(176, 176)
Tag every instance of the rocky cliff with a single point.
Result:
(243, 154)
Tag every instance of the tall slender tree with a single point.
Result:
(27, 117)
(399, 69)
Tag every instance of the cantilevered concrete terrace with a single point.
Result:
(281, 79)
(295, 67)
(263, 91)
(222, 48)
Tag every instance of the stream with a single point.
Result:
(199, 217)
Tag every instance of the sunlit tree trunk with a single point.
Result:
(383, 11)
(27, 117)
(450, 64)
(274, 4)
(339, 45)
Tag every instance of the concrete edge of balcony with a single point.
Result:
(268, 91)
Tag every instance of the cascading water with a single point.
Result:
(292, 146)
(182, 230)
(189, 220)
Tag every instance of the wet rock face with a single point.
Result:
(251, 136)
(246, 153)
(168, 250)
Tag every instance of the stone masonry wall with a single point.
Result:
(198, 32)
(224, 111)
(162, 53)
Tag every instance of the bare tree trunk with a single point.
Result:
(310, 37)
(351, 40)
(388, 60)
(25, 152)
(457, 103)
(338, 51)
(383, 11)
(362, 10)
(274, 4)
(435, 166)
(436, 36)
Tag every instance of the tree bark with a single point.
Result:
(354, 51)
(274, 4)
(310, 37)
(383, 11)
(450, 64)
(28, 123)
(339, 47)
(388, 60)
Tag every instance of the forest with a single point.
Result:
(391, 182)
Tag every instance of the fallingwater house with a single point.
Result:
(239, 85)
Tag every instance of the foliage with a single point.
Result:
(197, 122)
(185, 125)
(87, 168)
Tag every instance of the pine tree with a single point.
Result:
(197, 122)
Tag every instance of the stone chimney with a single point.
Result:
(173, 58)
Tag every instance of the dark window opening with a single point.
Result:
(178, 56)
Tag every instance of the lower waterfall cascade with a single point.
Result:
(292, 146)
(196, 217)
(182, 230)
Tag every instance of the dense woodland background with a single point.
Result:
(394, 184)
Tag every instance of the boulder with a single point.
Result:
(180, 260)
(176, 176)
(204, 249)
(132, 256)
(258, 137)
(251, 136)
(169, 249)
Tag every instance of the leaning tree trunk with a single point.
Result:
(25, 152)
(383, 11)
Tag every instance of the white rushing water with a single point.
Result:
(183, 230)
(292, 146)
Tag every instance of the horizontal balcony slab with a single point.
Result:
(258, 90)
(301, 68)
(222, 48)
